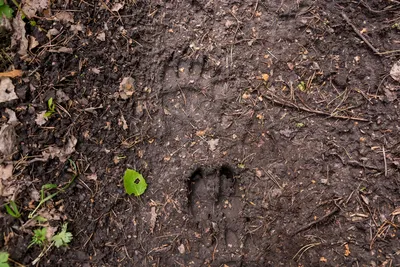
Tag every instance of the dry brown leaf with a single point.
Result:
(265, 77)
(7, 90)
(11, 74)
(126, 87)
(64, 16)
(117, 7)
(7, 189)
(18, 38)
(41, 119)
(62, 153)
(346, 250)
(395, 71)
(32, 43)
(31, 7)
(323, 259)
(8, 135)
(153, 218)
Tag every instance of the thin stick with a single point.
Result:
(323, 218)
(346, 18)
(292, 105)
(384, 160)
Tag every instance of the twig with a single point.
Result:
(346, 18)
(292, 105)
(384, 160)
(323, 218)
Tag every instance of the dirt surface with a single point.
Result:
(267, 132)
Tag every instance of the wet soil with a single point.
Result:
(267, 132)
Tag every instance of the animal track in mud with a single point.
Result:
(215, 206)
(187, 73)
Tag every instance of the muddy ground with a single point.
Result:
(267, 132)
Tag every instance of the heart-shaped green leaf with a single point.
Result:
(134, 183)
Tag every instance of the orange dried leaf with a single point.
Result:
(11, 74)
(346, 250)
(265, 77)
(323, 259)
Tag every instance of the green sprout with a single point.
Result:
(12, 209)
(39, 237)
(51, 107)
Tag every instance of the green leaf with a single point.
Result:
(63, 237)
(300, 125)
(6, 11)
(12, 209)
(1, 2)
(302, 86)
(3, 255)
(134, 183)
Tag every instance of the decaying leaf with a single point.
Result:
(7, 90)
(8, 135)
(126, 87)
(64, 16)
(41, 119)
(153, 219)
(117, 7)
(7, 188)
(346, 250)
(213, 143)
(390, 95)
(101, 36)
(395, 71)
(18, 38)
(31, 7)
(62, 153)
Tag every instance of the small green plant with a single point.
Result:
(12, 209)
(63, 237)
(51, 107)
(4, 259)
(5, 10)
(47, 187)
(300, 125)
(134, 183)
(39, 237)
(302, 86)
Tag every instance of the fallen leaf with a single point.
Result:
(153, 219)
(92, 177)
(64, 16)
(62, 153)
(390, 95)
(31, 7)
(101, 36)
(117, 7)
(246, 95)
(201, 133)
(18, 38)
(323, 259)
(32, 43)
(7, 189)
(7, 90)
(213, 143)
(346, 250)
(181, 249)
(11, 74)
(123, 122)
(41, 119)
(8, 135)
(395, 71)
(126, 87)
(265, 77)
